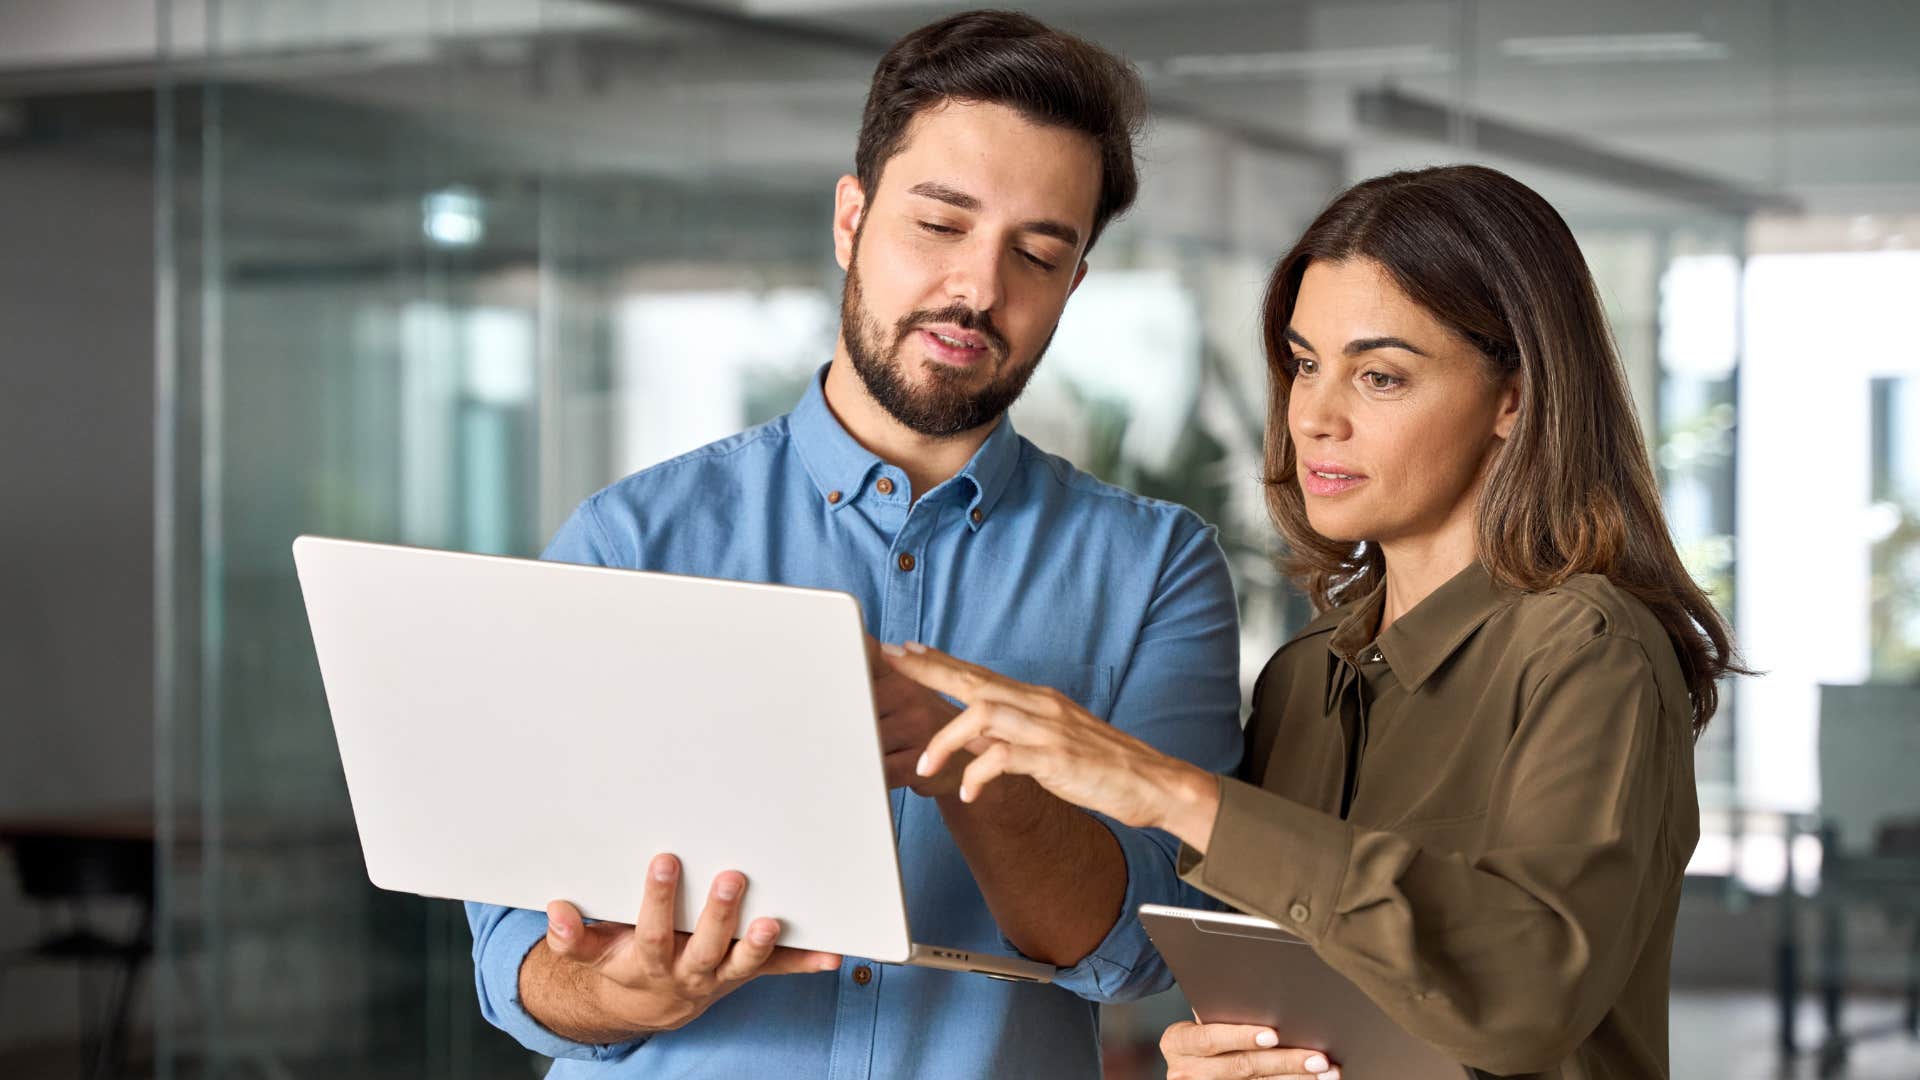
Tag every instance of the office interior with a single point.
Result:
(431, 271)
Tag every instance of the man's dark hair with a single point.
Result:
(1006, 58)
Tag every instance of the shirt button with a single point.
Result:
(833, 498)
(862, 975)
(906, 562)
(884, 486)
(1299, 913)
(976, 515)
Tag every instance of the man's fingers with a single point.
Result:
(785, 961)
(653, 930)
(714, 932)
(569, 936)
(750, 953)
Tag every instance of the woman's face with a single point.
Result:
(1393, 415)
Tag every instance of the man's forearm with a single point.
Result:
(560, 995)
(1053, 875)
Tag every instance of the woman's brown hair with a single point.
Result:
(1572, 491)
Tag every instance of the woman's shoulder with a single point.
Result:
(1573, 619)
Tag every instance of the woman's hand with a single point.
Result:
(1236, 1052)
(1016, 728)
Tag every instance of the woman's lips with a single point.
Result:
(1326, 478)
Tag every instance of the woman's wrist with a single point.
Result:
(1193, 802)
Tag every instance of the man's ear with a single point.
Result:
(1509, 409)
(849, 206)
(1079, 276)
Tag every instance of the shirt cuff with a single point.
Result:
(1125, 965)
(1273, 857)
(501, 940)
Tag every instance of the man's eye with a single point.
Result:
(938, 229)
(1036, 260)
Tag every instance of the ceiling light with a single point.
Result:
(1613, 48)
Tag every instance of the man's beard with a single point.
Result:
(945, 408)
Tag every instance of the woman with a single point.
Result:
(1469, 782)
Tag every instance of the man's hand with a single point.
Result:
(909, 715)
(609, 982)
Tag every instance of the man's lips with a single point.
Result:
(952, 345)
(1326, 478)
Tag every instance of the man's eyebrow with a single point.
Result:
(932, 189)
(951, 196)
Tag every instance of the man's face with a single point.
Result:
(959, 264)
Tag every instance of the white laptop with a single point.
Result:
(516, 731)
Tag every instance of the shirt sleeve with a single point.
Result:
(1180, 694)
(502, 936)
(1507, 961)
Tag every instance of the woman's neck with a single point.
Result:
(1418, 566)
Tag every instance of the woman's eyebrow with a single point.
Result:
(1366, 345)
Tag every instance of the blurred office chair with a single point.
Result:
(1869, 834)
(64, 864)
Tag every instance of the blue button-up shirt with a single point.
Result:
(1021, 563)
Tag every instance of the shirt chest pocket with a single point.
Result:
(1089, 685)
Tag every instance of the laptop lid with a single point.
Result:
(516, 731)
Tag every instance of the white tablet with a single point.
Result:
(1240, 969)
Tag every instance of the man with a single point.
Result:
(992, 151)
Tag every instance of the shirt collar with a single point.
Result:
(1423, 639)
(841, 468)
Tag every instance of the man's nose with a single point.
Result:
(974, 278)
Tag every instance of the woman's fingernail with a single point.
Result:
(1330, 1074)
(921, 766)
(1316, 1063)
(966, 793)
(891, 649)
(915, 647)
(1266, 1038)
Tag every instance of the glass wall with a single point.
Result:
(432, 272)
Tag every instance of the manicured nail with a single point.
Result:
(1330, 1074)
(663, 869)
(966, 793)
(891, 649)
(1266, 1038)
(915, 647)
(921, 766)
(1316, 1063)
(727, 888)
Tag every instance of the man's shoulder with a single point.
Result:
(1052, 477)
(741, 452)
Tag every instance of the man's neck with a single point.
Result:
(928, 462)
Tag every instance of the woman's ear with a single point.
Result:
(1509, 409)
(849, 206)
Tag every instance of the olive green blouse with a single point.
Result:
(1481, 818)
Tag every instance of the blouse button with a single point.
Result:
(1299, 913)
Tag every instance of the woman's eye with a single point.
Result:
(1305, 365)
(1380, 380)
